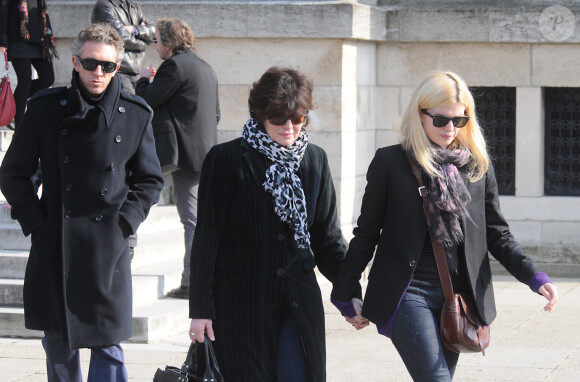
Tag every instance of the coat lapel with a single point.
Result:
(256, 163)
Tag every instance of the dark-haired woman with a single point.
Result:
(26, 36)
(267, 217)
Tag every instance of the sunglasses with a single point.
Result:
(441, 121)
(91, 64)
(279, 121)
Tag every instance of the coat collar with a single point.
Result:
(256, 162)
(108, 103)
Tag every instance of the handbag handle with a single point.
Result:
(6, 62)
(212, 374)
(437, 247)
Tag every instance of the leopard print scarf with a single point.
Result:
(282, 180)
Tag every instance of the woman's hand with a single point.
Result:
(3, 49)
(358, 321)
(198, 328)
(549, 291)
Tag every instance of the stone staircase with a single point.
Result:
(156, 266)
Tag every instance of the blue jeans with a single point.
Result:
(291, 362)
(63, 363)
(185, 186)
(416, 335)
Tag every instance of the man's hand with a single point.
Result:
(148, 72)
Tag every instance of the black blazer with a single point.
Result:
(184, 97)
(393, 221)
(246, 267)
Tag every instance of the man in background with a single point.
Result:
(137, 31)
(183, 93)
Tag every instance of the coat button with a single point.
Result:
(68, 187)
(67, 214)
(112, 167)
(63, 102)
(66, 159)
(281, 237)
(412, 263)
(280, 272)
(118, 139)
(64, 132)
(98, 218)
(295, 304)
(104, 191)
(121, 109)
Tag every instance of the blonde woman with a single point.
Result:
(404, 294)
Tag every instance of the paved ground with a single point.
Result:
(527, 345)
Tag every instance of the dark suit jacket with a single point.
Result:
(392, 218)
(184, 97)
(246, 267)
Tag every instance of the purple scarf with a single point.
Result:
(448, 197)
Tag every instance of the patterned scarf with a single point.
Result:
(47, 43)
(448, 197)
(281, 178)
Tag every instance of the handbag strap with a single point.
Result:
(188, 360)
(437, 247)
(212, 369)
(6, 62)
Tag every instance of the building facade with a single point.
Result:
(521, 58)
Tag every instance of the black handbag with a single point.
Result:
(199, 366)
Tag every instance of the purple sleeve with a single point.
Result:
(537, 281)
(345, 308)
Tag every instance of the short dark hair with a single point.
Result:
(281, 92)
(176, 34)
(102, 33)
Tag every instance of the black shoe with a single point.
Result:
(179, 292)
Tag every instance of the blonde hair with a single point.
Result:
(435, 90)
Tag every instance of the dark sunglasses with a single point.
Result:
(91, 64)
(441, 121)
(279, 121)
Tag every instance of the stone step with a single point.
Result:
(151, 322)
(12, 238)
(150, 283)
(13, 264)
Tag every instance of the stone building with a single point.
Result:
(366, 56)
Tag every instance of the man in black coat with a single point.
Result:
(183, 92)
(100, 178)
(127, 17)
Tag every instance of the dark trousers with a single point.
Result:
(291, 364)
(416, 336)
(26, 86)
(63, 363)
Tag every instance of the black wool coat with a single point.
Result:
(246, 266)
(392, 221)
(184, 97)
(100, 178)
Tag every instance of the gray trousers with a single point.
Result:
(185, 186)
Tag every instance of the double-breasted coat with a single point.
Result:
(246, 265)
(100, 178)
(393, 221)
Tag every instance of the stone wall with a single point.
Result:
(366, 57)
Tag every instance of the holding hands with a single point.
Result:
(358, 321)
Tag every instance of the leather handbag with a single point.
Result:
(200, 366)
(7, 105)
(459, 328)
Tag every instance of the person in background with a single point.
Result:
(101, 177)
(127, 17)
(404, 296)
(183, 93)
(267, 217)
(27, 37)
